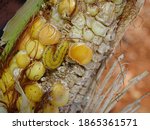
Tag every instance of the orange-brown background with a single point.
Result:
(136, 47)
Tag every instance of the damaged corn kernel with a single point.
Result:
(34, 92)
(35, 71)
(66, 8)
(60, 95)
(80, 53)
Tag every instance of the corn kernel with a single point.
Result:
(8, 79)
(22, 59)
(37, 26)
(35, 71)
(34, 49)
(34, 92)
(49, 35)
(80, 53)
(60, 95)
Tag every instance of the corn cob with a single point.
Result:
(57, 55)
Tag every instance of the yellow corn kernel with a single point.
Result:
(34, 92)
(34, 49)
(50, 109)
(80, 53)
(22, 59)
(35, 71)
(49, 35)
(37, 26)
(8, 79)
(66, 7)
(19, 104)
(25, 38)
(60, 95)
(2, 86)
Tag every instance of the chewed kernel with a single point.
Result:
(80, 53)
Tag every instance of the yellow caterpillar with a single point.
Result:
(51, 58)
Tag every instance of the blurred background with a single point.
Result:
(135, 45)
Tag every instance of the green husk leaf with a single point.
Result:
(16, 25)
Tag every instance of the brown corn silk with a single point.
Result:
(86, 89)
